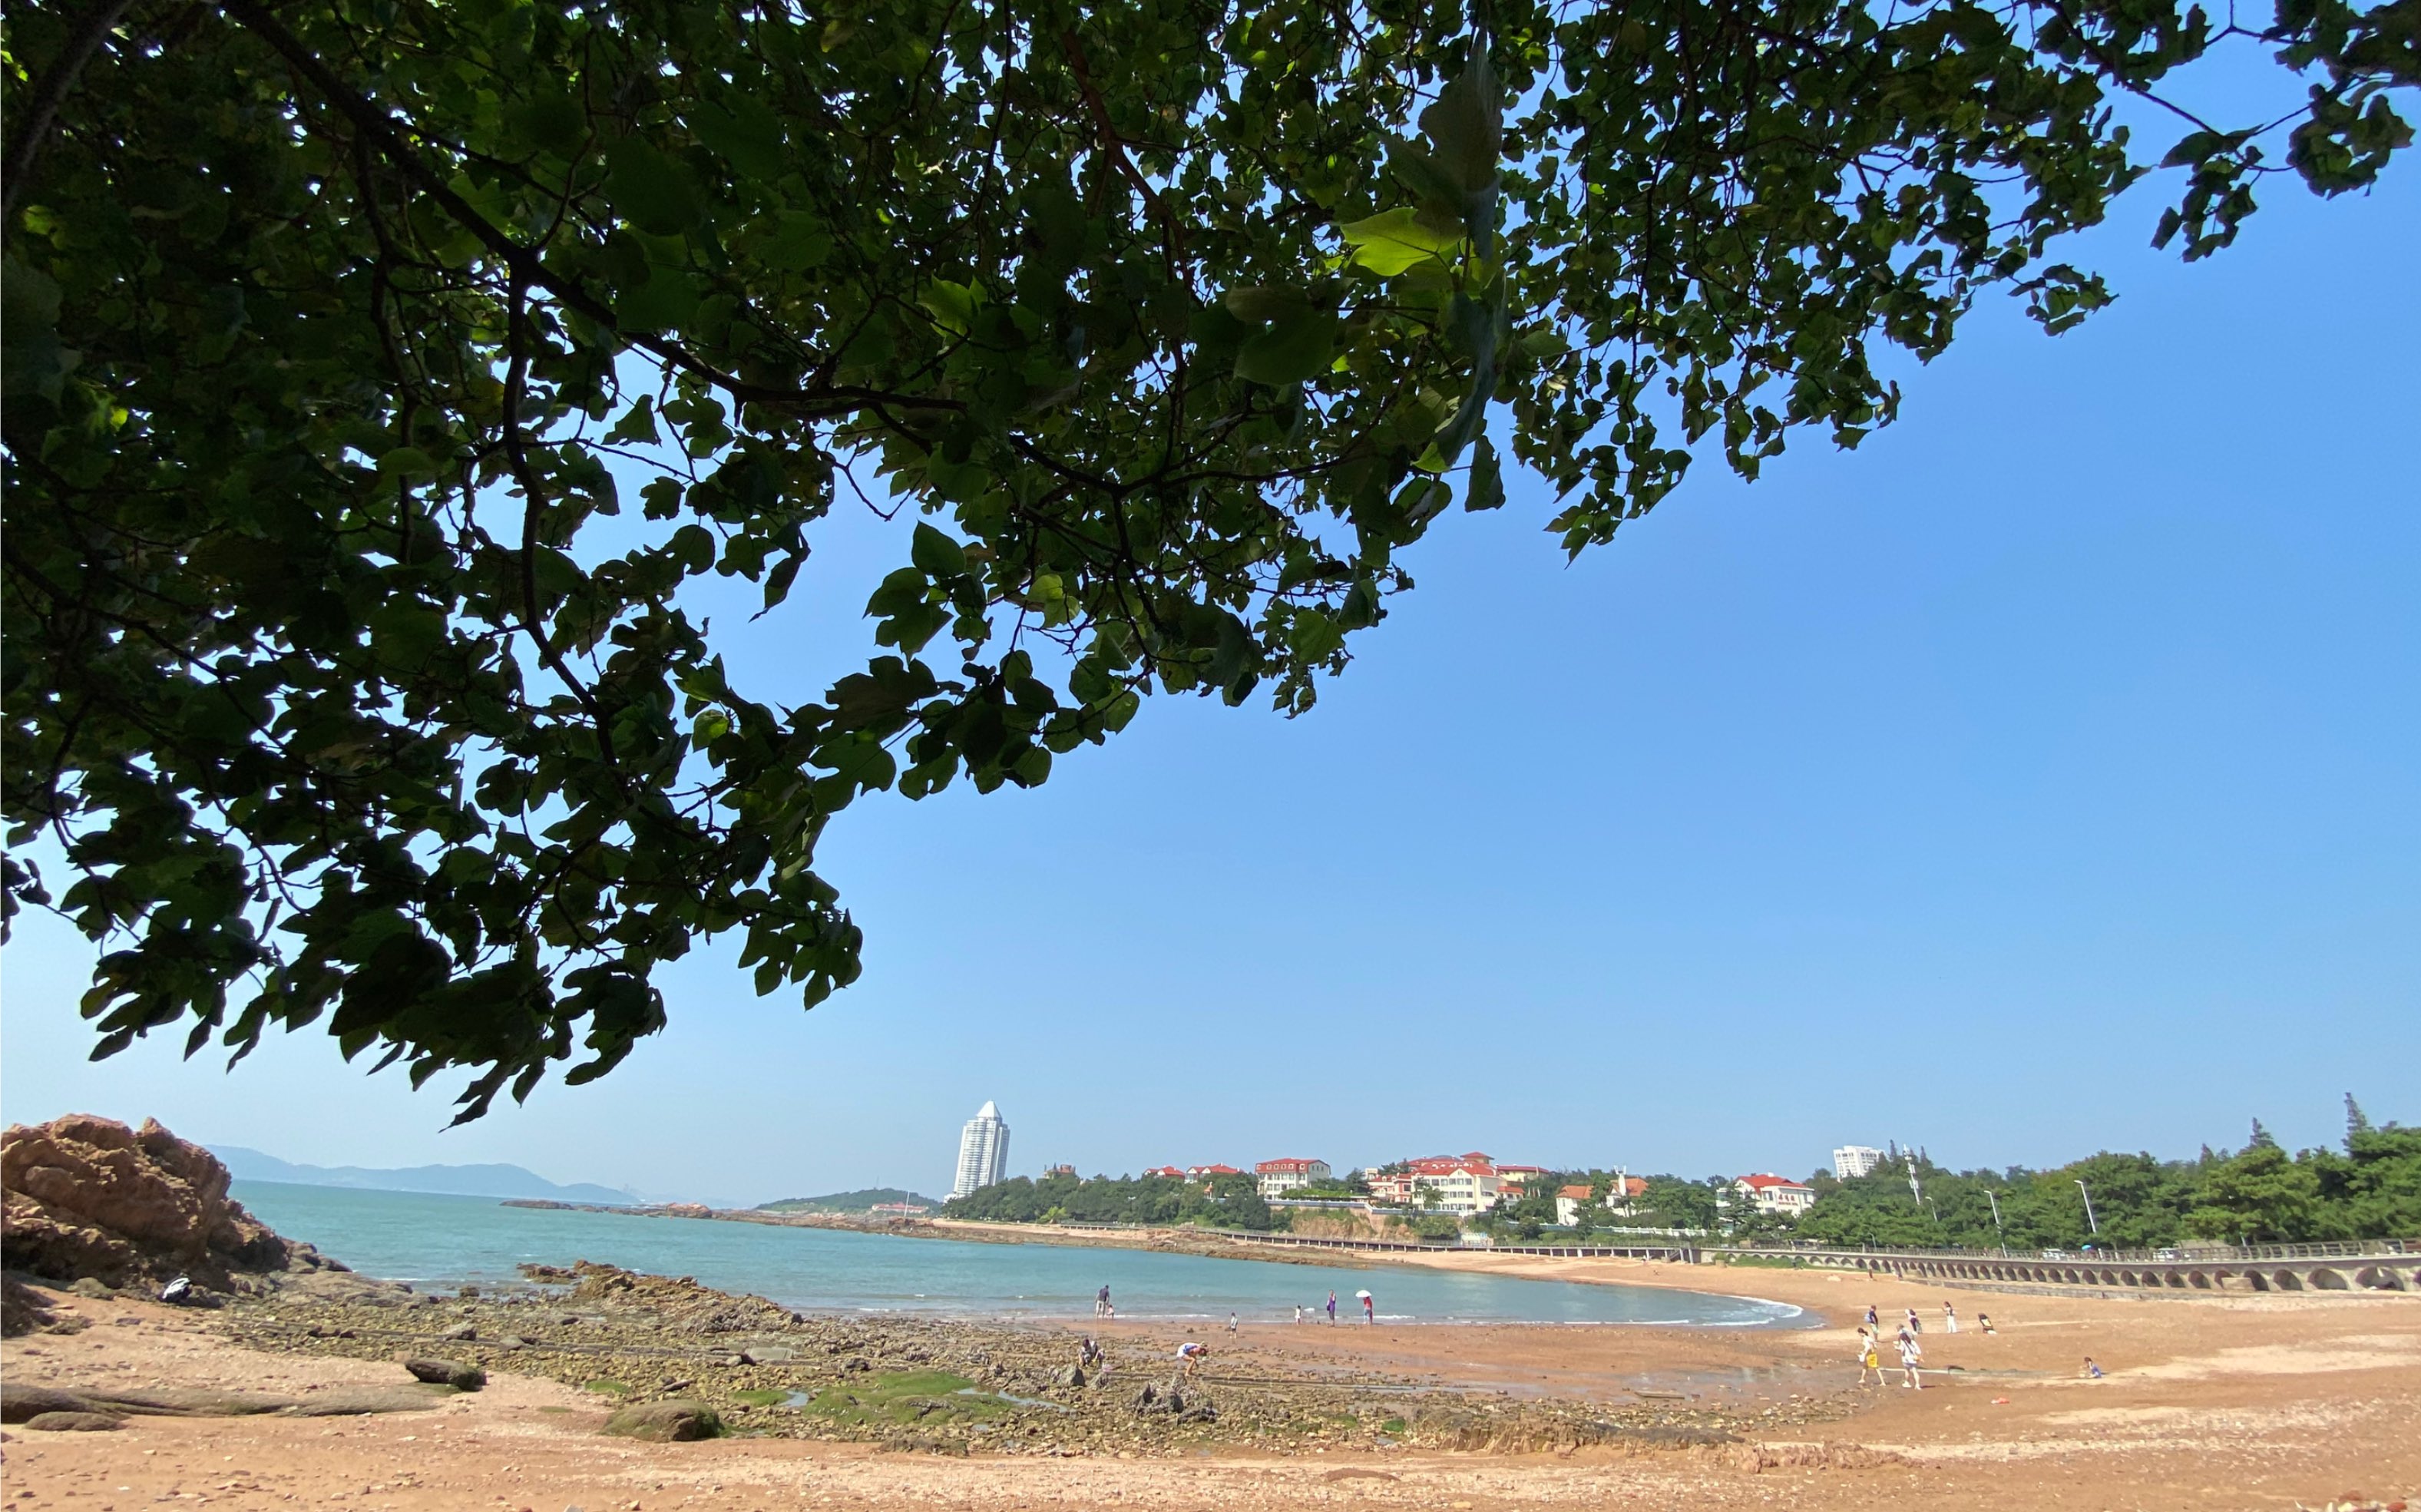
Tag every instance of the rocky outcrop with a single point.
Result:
(447, 1373)
(90, 1198)
(673, 1421)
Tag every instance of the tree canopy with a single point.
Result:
(2258, 1194)
(378, 375)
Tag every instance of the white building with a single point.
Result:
(983, 1151)
(1775, 1193)
(1463, 1184)
(1853, 1161)
(1277, 1177)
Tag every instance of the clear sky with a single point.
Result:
(2045, 776)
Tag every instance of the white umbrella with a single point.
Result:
(1364, 1295)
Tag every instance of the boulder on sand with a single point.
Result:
(74, 1423)
(674, 1420)
(20, 1403)
(447, 1373)
(90, 1199)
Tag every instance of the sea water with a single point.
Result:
(440, 1242)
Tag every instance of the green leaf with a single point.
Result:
(1262, 304)
(638, 424)
(1486, 489)
(1290, 351)
(952, 306)
(1392, 242)
(551, 121)
(408, 463)
(936, 554)
(664, 303)
(650, 190)
(1467, 124)
(744, 132)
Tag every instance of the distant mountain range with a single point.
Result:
(848, 1202)
(459, 1180)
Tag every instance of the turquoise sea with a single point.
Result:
(439, 1242)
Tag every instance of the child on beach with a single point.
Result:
(1949, 1319)
(1914, 1326)
(1231, 1325)
(1984, 1321)
(1332, 1307)
(2092, 1371)
(1874, 1324)
(1909, 1357)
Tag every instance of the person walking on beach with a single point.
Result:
(1298, 1312)
(1874, 1324)
(1231, 1325)
(1914, 1326)
(1949, 1319)
(1910, 1356)
(1101, 1304)
(1870, 1359)
(1369, 1310)
(1332, 1307)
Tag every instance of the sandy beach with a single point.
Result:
(2237, 1402)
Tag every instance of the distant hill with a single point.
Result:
(848, 1202)
(457, 1180)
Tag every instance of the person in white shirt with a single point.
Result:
(1909, 1356)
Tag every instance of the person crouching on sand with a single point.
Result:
(1188, 1356)
(1984, 1321)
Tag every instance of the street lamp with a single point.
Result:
(1993, 1197)
(2090, 1221)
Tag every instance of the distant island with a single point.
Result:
(849, 1202)
(453, 1180)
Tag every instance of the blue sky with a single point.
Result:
(2039, 778)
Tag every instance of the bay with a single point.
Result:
(444, 1241)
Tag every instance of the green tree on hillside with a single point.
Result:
(383, 380)
(2258, 1194)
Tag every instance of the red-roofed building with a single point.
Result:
(1776, 1194)
(1276, 1177)
(1619, 1193)
(1174, 1172)
(1212, 1170)
(1464, 1183)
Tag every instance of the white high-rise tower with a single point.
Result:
(983, 1151)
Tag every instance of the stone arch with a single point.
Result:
(2199, 1280)
(2287, 1281)
(2322, 1278)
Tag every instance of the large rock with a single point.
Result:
(676, 1421)
(447, 1373)
(90, 1198)
(20, 1403)
(73, 1422)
